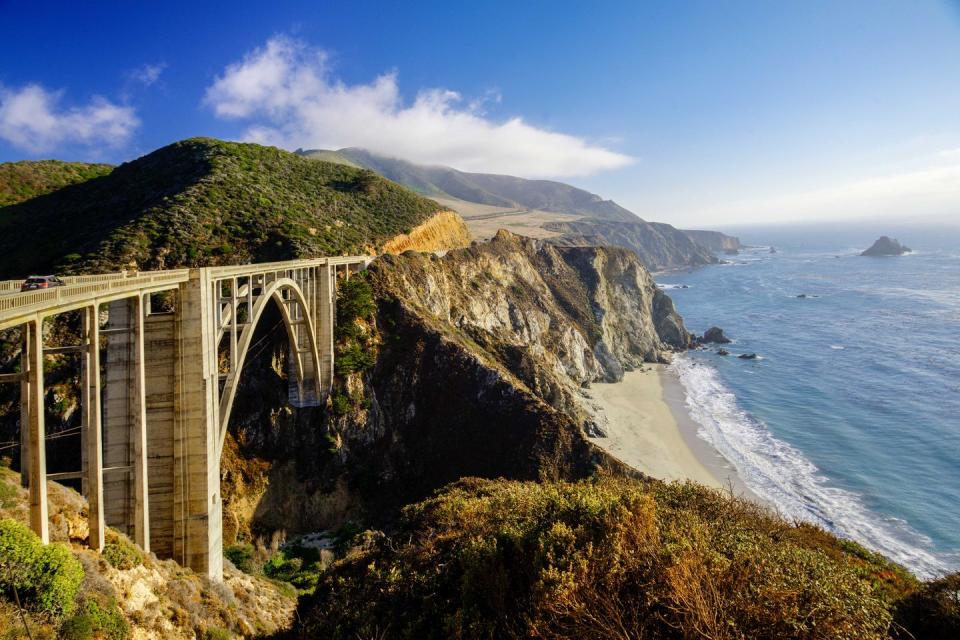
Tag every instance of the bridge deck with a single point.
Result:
(17, 308)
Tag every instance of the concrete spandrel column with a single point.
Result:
(37, 451)
(92, 423)
(141, 486)
(118, 419)
(25, 408)
(324, 325)
(197, 509)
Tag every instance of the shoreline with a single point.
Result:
(648, 428)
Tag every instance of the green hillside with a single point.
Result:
(202, 202)
(27, 179)
(483, 188)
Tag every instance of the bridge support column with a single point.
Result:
(197, 508)
(36, 440)
(125, 486)
(25, 354)
(93, 441)
(326, 309)
(160, 373)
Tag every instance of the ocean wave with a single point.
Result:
(780, 474)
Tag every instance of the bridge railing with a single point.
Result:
(8, 286)
(80, 288)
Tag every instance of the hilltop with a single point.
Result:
(27, 179)
(202, 202)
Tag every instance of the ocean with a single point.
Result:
(850, 415)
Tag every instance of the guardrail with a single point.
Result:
(7, 286)
(87, 287)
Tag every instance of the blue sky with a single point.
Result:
(707, 113)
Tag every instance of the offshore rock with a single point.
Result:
(885, 246)
(714, 335)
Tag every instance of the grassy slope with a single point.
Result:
(201, 202)
(20, 181)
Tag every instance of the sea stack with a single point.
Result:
(885, 246)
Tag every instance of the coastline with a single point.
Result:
(648, 427)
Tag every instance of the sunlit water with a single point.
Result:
(851, 416)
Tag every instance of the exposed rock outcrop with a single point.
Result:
(886, 246)
(482, 357)
(444, 230)
(714, 335)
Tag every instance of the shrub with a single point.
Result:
(932, 612)
(217, 633)
(120, 552)
(47, 577)
(97, 618)
(241, 555)
(606, 558)
(8, 495)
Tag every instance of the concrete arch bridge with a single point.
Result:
(157, 388)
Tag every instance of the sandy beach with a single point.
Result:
(647, 427)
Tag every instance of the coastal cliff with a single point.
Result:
(480, 360)
(714, 240)
(660, 246)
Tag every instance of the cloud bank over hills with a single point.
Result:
(288, 96)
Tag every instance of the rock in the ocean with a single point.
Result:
(715, 335)
(885, 246)
(802, 296)
(723, 352)
(773, 249)
(747, 356)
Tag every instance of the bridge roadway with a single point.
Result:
(157, 383)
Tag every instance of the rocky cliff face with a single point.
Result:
(442, 231)
(714, 240)
(659, 246)
(482, 357)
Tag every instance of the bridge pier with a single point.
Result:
(36, 428)
(91, 427)
(125, 486)
(197, 508)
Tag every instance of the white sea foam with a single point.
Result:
(838, 347)
(780, 474)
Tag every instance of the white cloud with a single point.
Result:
(148, 73)
(31, 119)
(287, 94)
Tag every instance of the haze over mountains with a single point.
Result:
(481, 188)
(541, 208)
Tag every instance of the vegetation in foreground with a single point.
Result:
(614, 558)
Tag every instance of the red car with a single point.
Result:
(41, 282)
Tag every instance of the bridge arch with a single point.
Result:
(288, 296)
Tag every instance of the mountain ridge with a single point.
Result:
(483, 188)
(201, 202)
